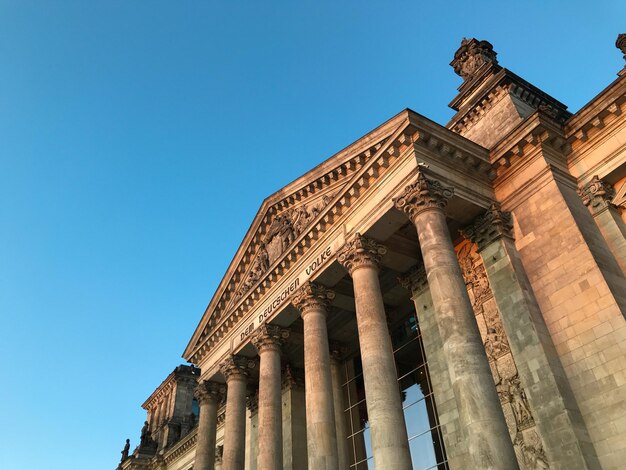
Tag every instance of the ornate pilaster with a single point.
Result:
(312, 296)
(267, 337)
(414, 280)
(596, 195)
(360, 252)
(424, 194)
(489, 227)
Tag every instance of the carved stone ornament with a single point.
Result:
(415, 280)
(292, 378)
(236, 368)
(269, 337)
(489, 227)
(471, 56)
(337, 351)
(360, 252)
(312, 296)
(281, 233)
(423, 195)
(533, 455)
(596, 194)
(209, 391)
(219, 454)
(620, 43)
(252, 400)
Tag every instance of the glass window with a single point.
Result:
(425, 442)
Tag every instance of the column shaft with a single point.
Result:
(267, 339)
(209, 395)
(480, 412)
(479, 407)
(235, 423)
(384, 405)
(205, 447)
(312, 301)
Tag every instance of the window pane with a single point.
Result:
(422, 452)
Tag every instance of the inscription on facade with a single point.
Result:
(269, 309)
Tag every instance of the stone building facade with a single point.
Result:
(430, 297)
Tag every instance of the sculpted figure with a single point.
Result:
(518, 400)
(144, 432)
(495, 346)
(125, 450)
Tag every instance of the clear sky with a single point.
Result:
(139, 138)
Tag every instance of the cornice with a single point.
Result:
(342, 166)
(597, 121)
(536, 132)
(182, 447)
(488, 91)
(179, 374)
(362, 178)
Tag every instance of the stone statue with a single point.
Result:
(494, 344)
(518, 401)
(144, 433)
(125, 450)
(533, 455)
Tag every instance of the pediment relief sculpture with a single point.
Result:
(283, 230)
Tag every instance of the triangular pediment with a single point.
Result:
(280, 222)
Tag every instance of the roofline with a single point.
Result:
(274, 197)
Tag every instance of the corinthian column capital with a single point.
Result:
(360, 252)
(269, 337)
(236, 368)
(312, 296)
(596, 194)
(208, 391)
(424, 194)
(489, 227)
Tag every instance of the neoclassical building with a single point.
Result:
(430, 297)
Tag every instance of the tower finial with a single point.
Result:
(471, 56)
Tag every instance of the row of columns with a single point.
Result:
(480, 412)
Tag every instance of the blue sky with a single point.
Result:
(139, 138)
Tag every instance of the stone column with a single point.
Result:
(540, 371)
(338, 379)
(597, 195)
(235, 370)
(209, 396)
(312, 301)
(479, 407)
(267, 339)
(390, 444)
